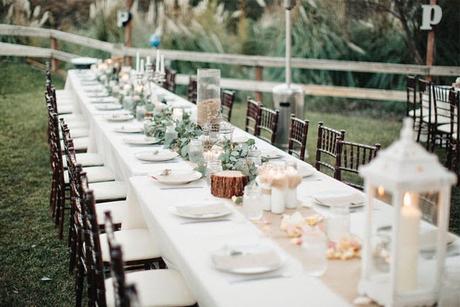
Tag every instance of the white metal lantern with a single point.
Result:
(399, 268)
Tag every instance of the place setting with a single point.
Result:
(129, 128)
(201, 211)
(177, 179)
(157, 155)
(119, 117)
(108, 107)
(140, 140)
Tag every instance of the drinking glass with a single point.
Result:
(195, 151)
(213, 167)
(450, 290)
(225, 131)
(170, 134)
(338, 222)
(140, 113)
(255, 155)
(314, 246)
(148, 126)
(252, 206)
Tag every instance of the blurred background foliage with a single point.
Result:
(357, 30)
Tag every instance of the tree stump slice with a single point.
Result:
(227, 184)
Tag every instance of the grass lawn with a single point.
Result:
(33, 261)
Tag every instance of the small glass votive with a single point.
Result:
(195, 151)
(140, 113)
(255, 156)
(252, 206)
(314, 246)
(212, 167)
(338, 222)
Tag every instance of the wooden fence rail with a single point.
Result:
(258, 62)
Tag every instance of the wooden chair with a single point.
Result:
(350, 156)
(298, 137)
(326, 147)
(192, 89)
(170, 80)
(132, 296)
(252, 116)
(228, 98)
(146, 281)
(441, 132)
(268, 123)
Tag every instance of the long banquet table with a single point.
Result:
(187, 246)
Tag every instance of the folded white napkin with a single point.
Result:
(337, 198)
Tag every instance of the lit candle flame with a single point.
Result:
(380, 191)
(407, 199)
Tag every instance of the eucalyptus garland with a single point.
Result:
(186, 130)
(235, 157)
(160, 121)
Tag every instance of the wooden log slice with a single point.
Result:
(227, 184)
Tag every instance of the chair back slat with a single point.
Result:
(298, 137)
(228, 98)
(350, 156)
(170, 80)
(326, 147)
(252, 116)
(441, 104)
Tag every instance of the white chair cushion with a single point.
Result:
(137, 244)
(78, 144)
(441, 119)
(416, 111)
(65, 109)
(155, 288)
(72, 117)
(95, 174)
(77, 132)
(446, 129)
(111, 190)
(86, 159)
(118, 210)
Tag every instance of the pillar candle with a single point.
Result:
(157, 61)
(408, 248)
(137, 61)
(142, 65)
(162, 64)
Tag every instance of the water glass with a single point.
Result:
(170, 134)
(338, 222)
(140, 113)
(314, 246)
(148, 126)
(252, 206)
(195, 151)
(213, 167)
(225, 131)
(255, 156)
(450, 290)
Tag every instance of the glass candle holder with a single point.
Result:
(208, 96)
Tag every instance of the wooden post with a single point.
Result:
(430, 46)
(259, 77)
(54, 62)
(128, 31)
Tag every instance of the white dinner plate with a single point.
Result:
(177, 177)
(119, 117)
(201, 210)
(104, 100)
(140, 140)
(271, 155)
(109, 107)
(306, 170)
(337, 198)
(247, 259)
(97, 95)
(239, 139)
(129, 128)
(156, 155)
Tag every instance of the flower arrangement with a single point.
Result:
(235, 157)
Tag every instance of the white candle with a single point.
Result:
(148, 60)
(142, 65)
(408, 248)
(157, 63)
(137, 61)
(162, 64)
(177, 113)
